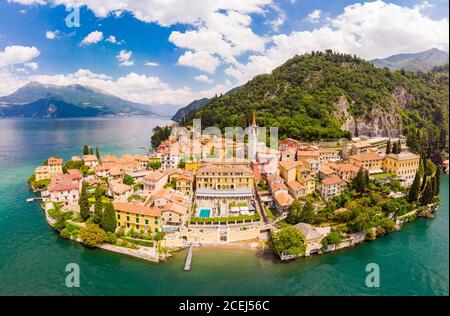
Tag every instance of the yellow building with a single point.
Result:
(131, 215)
(224, 177)
(403, 165)
(185, 183)
(191, 166)
(367, 161)
(42, 173)
(55, 166)
(288, 170)
(306, 179)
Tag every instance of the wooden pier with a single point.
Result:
(187, 264)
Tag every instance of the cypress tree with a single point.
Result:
(109, 222)
(97, 153)
(437, 182)
(98, 206)
(388, 147)
(394, 148)
(85, 150)
(427, 195)
(83, 202)
(414, 190)
(399, 147)
(91, 151)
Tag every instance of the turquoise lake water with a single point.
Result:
(414, 261)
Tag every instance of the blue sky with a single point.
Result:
(197, 48)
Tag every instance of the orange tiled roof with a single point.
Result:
(89, 158)
(134, 208)
(54, 161)
(333, 179)
(287, 165)
(284, 199)
(367, 156)
(295, 186)
(63, 183)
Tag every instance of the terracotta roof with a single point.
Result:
(89, 158)
(108, 158)
(326, 170)
(284, 199)
(287, 165)
(120, 188)
(295, 186)
(333, 179)
(100, 168)
(343, 167)
(186, 176)
(115, 171)
(367, 156)
(134, 208)
(155, 175)
(276, 186)
(94, 181)
(362, 144)
(63, 183)
(274, 177)
(54, 161)
(75, 174)
(308, 153)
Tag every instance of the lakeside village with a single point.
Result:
(297, 199)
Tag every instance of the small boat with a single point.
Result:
(30, 200)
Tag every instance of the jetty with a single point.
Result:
(187, 263)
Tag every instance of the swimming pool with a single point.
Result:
(204, 212)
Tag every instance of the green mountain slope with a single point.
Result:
(325, 95)
(196, 104)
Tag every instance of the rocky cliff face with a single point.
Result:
(379, 122)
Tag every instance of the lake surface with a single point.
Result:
(414, 261)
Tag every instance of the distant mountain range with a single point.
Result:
(52, 101)
(422, 61)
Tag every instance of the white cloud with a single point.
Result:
(32, 65)
(314, 17)
(92, 38)
(221, 28)
(124, 58)
(51, 35)
(201, 60)
(370, 30)
(151, 64)
(203, 78)
(16, 54)
(113, 40)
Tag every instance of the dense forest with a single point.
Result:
(300, 98)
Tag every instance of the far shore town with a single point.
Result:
(298, 199)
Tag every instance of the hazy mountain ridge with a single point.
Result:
(421, 61)
(78, 98)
